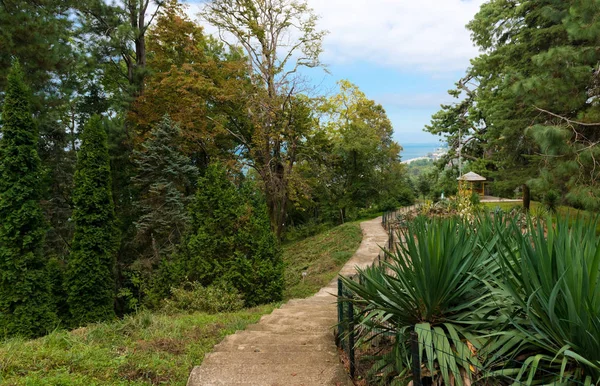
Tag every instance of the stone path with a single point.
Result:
(294, 345)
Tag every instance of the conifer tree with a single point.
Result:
(26, 306)
(231, 239)
(165, 177)
(90, 282)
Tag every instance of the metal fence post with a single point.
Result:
(340, 310)
(416, 363)
(351, 338)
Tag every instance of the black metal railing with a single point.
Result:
(346, 331)
(348, 311)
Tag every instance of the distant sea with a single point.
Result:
(416, 150)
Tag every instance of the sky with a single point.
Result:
(404, 54)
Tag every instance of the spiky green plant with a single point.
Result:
(435, 285)
(552, 278)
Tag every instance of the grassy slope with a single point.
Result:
(139, 350)
(152, 348)
(320, 256)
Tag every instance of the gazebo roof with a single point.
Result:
(472, 177)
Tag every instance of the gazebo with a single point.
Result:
(476, 183)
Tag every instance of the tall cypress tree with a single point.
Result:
(90, 282)
(26, 305)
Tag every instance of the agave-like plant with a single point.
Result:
(551, 277)
(435, 285)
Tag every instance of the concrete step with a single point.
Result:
(301, 321)
(277, 347)
(304, 310)
(322, 300)
(283, 375)
(291, 328)
(308, 307)
(255, 358)
(267, 337)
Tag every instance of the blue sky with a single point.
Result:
(409, 97)
(404, 54)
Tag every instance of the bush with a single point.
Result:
(192, 297)
(551, 200)
(475, 199)
(551, 282)
(230, 239)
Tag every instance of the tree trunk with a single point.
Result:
(276, 196)
(526, 198)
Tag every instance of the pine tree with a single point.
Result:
(26, 305)
(165, 180)
(90, 281)
(165, 177)
(231, 240)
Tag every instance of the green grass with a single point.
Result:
(142, 349)
(320, 256)
(537, 207)
(155, 348)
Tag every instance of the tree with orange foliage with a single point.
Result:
(193, 79)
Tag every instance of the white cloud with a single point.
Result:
(422, 35)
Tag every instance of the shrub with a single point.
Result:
(434, 284)
(230, 239)
(500, 300)
(192, 297)
(475, 199)
(551, 200)
(552, 281)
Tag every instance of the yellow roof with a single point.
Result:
(470, 176)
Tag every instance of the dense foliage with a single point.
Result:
(495, 300)
(230, 240)
(90, 279)
(132, 102)
(26, 305)
(528, 113)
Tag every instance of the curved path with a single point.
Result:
(294, 345)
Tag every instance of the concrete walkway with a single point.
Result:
(294, 345)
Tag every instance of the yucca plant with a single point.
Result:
(434, 284)
(552, 278)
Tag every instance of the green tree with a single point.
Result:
(191, 77)
(90, 281)
(118, 30)
(26, 305)
(165, 178)
(525, 95)
(231, 240)
(364, 166)
(424, 185)
(280, 37)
